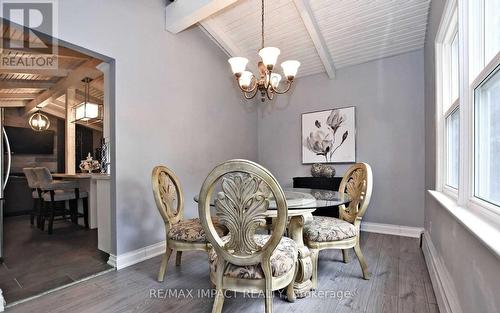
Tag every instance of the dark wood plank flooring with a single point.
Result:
(35, 262)
(400, 283)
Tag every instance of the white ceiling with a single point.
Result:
(323, 35)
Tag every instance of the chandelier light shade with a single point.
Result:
(269, 56)
(266, 82)
(39, 122)
(238, 64)
(290, 68)
(87, 111)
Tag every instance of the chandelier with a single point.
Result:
(267, 81)
(38, 121)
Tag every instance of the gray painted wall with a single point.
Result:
(388, 95)
(175, 105)
(475, 271)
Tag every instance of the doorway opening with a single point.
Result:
(57, 217)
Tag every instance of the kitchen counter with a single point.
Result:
(98, 187)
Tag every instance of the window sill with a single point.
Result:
(485, 229)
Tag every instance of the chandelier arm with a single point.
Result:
(270, 93)
(280, 92)
(249, 95)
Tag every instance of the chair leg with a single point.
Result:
(51, 217)
(219, 295)
(43, 214)
(164, 263)
(73, 208)
(178, 258)
(362, 261)
(345, 255)
(314, 261)
(266, 268)
(85, 211)
(290, 292)
(32, 215)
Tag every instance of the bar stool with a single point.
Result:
(60, 191)
(35, 194)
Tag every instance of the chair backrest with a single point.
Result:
(31, 177)
(168, 194)
(358, 184)
(43, 176)
(241, 205)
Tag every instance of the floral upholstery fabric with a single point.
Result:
(282, 260)
(324, 228)
(191, 230)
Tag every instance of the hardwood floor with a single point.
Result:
(35, 262)
(400, 283)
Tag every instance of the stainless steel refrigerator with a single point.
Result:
(5, 164)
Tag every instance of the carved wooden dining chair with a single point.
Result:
(343, 232)
(244, 261)
(181, 234)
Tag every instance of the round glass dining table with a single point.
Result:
(301, 203)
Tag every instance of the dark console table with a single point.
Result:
(320, 183)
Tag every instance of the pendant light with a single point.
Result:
(38, 121)
(87, 111)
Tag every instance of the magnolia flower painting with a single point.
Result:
(329, 136)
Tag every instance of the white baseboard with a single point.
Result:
(443, 285)
(142, 254)
(136, 256)
(390, 229)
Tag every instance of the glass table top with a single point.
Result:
(302, 198)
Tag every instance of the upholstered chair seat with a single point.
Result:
(190, 230)
(282, 260)
(63, 195)
(324, 228)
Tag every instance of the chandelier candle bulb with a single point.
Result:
(238, 65)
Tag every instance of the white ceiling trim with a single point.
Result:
(319, 43)
(210, 27)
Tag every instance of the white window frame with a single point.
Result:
(473, 201)
(457, 11)
(446, 32)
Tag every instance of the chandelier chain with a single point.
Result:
(262, 23)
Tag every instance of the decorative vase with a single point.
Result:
(316, 169)
(327, 171)
(89, 164)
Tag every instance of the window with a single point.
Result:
(491, 29)
(468, 104)
(487, 139)
(484, 34)
(449, 82)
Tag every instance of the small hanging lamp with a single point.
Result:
(88, 111)
(38, 121)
